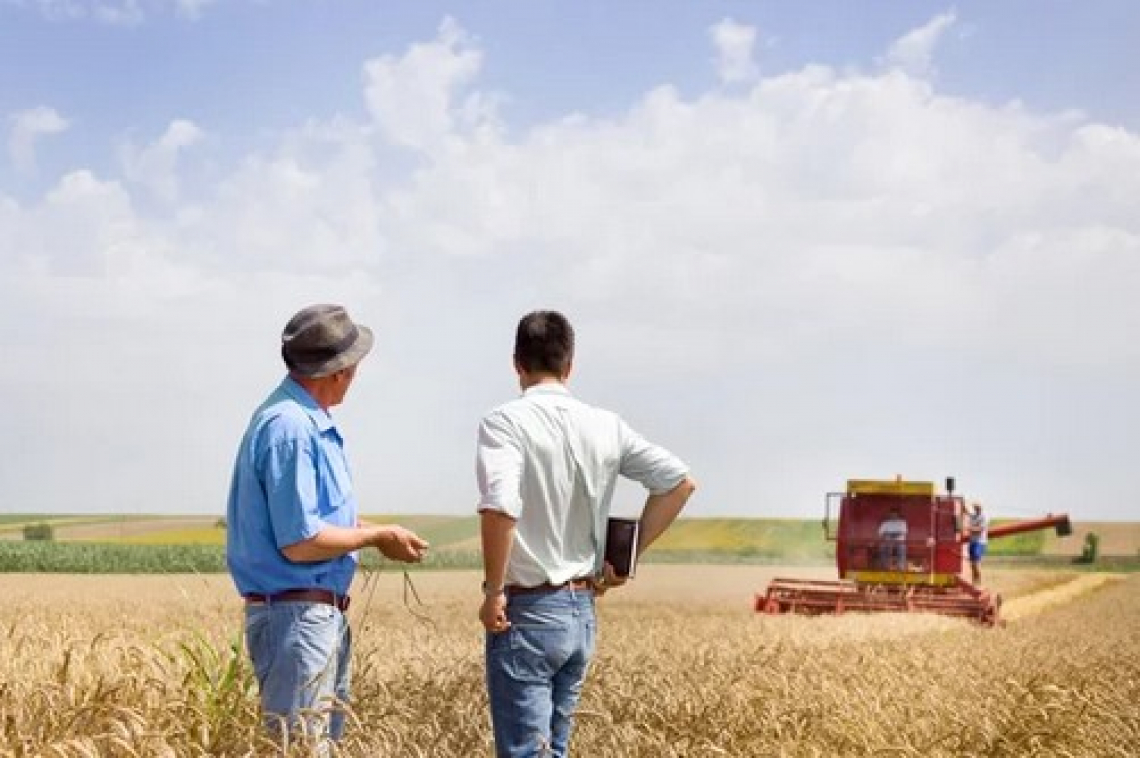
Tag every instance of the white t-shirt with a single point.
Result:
(894, 528)
(979, 522)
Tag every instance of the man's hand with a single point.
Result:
(493, 613)
(609, 580)
(400, 544)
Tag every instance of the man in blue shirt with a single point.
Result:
(293, 529)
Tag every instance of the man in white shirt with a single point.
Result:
(892, 541)
(978, 526)
(547, 466)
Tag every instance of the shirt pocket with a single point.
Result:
(336, 485)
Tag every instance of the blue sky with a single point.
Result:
(801, 242)
(247, 68)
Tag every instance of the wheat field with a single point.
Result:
(152, 666)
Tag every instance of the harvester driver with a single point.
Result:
(892, 541)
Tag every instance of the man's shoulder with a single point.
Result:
(281, 418)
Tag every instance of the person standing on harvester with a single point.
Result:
(978, 527)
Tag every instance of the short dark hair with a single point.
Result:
(544, 343)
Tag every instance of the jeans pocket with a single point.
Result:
(259, 641)
(521, 652)
(317, 616)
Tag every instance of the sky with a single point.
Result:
(800, 243)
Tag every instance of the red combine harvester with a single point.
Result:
(919, 574)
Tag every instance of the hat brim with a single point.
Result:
(352, 355)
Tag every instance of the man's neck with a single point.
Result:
(528, 380)
(319, 390)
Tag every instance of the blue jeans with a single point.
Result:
(301, 656)
(535, 671)
(892, 555)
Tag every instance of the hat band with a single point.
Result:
(295, 356)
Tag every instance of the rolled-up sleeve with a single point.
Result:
(498, 466)
(658, 470)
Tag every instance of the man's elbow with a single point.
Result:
(684, 490)
(301, 552)
(493, 516)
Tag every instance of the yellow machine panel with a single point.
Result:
(902, 577)
(889, 487)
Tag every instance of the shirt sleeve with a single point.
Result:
(290, 479)
(498, 466)
(658, 470)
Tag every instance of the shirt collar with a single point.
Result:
(321, 418)
(546, 388)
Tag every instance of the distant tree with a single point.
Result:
(220, 523)
(41, 532)
(1091, 550)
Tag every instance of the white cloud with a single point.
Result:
(27, 127)
(822, 275)
(313, 206)
(914, 51)
(734, 43)
(155, 166)
(413, 98)
(192, 9)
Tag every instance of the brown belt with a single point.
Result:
(328, 597)
(584, 583)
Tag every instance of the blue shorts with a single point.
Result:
(977, 550)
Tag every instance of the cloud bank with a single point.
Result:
(814, 275)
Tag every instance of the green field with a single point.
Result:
(176, 544)
(16, 522)
(1027, 543)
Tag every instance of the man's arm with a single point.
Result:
(497, 531)
(661, 511)
(395, 542)
(498, 469)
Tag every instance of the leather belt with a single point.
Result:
(328, 597)
(583, 583)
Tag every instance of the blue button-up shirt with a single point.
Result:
(290, 479)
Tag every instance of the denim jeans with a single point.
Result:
(892, 556)
(301, 654)
(535, 671)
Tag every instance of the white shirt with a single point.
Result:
(894, 528)
(551, 462)
(981, 525)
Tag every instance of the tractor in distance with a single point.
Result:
(920, 572)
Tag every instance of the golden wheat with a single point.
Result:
(151, 666)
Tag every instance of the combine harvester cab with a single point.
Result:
(921, 573)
